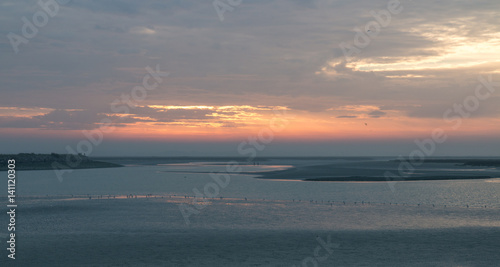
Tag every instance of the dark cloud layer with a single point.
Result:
(94, 46)
(276, 53)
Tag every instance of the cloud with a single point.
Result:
(18, 122)
(377, 114)
(69, 120)
(212, 116)
(347, 117)
(57, 119)
(488, 108)
(92, 52)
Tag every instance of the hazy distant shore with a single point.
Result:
(322, 169)
(343, 169)
(376, 170)
(31, 161)
(483, 162)
(380, 179)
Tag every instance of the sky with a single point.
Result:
(299, 77)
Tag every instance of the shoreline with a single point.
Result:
(384, 179)
(389, 170)
(81, 166)
(37, 162)
(315, 169)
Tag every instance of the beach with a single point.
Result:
(384, 169)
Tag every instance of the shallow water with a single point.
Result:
(182, 179)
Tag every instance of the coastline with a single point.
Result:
(384, 179)
(36, 162)
(42, 167)
(377, 170)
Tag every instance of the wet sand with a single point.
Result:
(386, 170)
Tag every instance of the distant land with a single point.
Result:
(392, 170)
(384, 179)
(465, 161)
(32, 161)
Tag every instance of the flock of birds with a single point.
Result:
(329, 202)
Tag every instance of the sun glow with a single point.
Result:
(454, 50)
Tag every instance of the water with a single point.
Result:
(257, 222)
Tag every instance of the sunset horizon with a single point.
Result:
(400, 78)
(250, 132)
